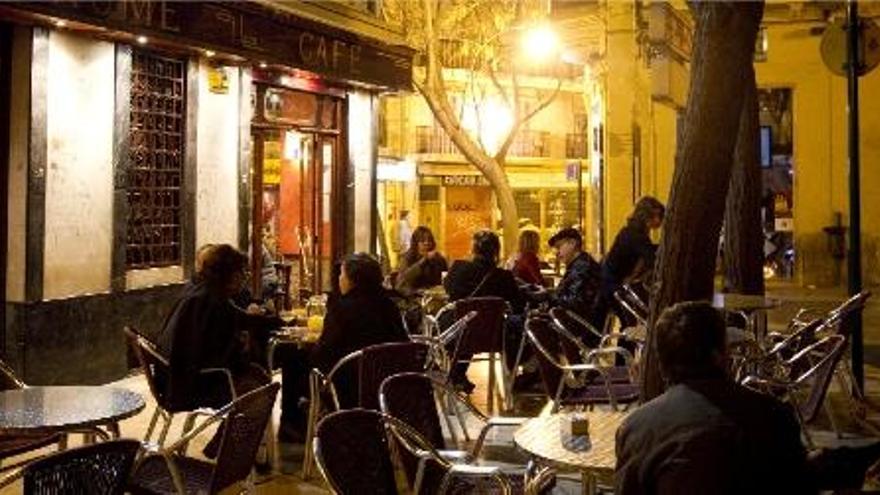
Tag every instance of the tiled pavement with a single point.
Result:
(285, 477)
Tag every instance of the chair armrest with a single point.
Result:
(507, 421)
(471, 471)
(191, 434)
(495, 421)
(456, 456)
(767, 385)
(595, 354)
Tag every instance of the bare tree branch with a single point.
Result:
(518, 122)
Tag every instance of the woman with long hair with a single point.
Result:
(526, 265)
(421, 266)
(631, 256)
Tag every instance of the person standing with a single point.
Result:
(404, 232)
(631, 256)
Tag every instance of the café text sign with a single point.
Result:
(251, 30)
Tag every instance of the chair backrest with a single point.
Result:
(837, 320)
(409, 397)
(632, 304)
(102, 469)
(577, 335)
(485, 332)
(243, 429)
(156, 368)
(352, 453)
(383, 360)
(548, 352)
(824, 357)
(344, 379)
(8, 379)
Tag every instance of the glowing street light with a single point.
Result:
(540, 44)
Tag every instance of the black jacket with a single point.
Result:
(464, 277)
(632, 244)
(711, 436)
(202, 331)
(579, 286)
(356, 320)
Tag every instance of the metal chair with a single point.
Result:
(12, 445)
(576, 351)
(483, 334)
(414, 397)
(100, 469)
(362, 435)
(574, 384)
(369, 366)
(632, 304)
(157, 371)
(810, 373)
(244, 421)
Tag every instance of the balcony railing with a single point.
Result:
(576, 146)
(533, 144)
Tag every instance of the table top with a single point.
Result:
(56, 408)
(743, 302)
(542, 437)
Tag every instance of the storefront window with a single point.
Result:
(158, 125)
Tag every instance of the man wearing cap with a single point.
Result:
(579, 286)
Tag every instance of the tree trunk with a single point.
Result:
(743, 233)
(723, 48)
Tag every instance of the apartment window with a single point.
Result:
(155, 176)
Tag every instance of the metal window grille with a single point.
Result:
(158, 124)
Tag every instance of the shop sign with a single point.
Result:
(465, 180)
(249, 29)
(218, 80)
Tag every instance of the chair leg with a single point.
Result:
(113, 429)
(152, 425)
(308, 455)
(833, 418)
(461, 421)
(164, 432)
(443, 402)
(491, 391)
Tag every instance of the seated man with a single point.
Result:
(708, 434)
(579, 287)
(481, 277)
(361, 315)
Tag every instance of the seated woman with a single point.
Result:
(481, 277)
(421, 267)
(526, 266)
(205, 330)
(362, 315)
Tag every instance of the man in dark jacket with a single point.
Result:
(579, 286)
(708, 434)
(481, 277)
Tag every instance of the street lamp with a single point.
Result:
(540, 43)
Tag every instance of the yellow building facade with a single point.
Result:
(626, 111)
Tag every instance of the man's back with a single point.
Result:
(711, 436)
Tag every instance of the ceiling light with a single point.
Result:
(263, 65)
(60, 23)
(142, 40)
(209, 53)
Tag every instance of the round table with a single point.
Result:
(66, 408)
(595, 459)
(751, 307)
